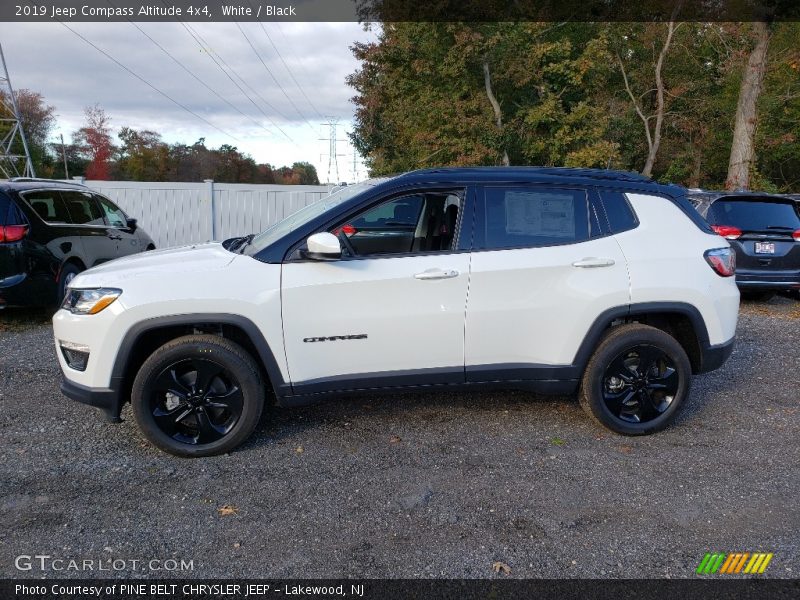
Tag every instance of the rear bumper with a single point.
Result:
(108, 400)
(768, 280)
(22, 290)
(713, 357)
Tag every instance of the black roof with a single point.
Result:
(558, 175)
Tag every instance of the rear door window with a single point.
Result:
(49, 205)
(519, 217)
(755, 215)
(83, 208)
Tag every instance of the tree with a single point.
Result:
(142, 156)
(653, 135)
(307, 173)
(481, 94)
(94, 141)
(742, 148)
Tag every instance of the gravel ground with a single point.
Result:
(419, 485)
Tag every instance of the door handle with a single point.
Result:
(112, 236)
(436, 274)
(593, 262)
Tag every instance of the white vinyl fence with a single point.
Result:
(184, 213)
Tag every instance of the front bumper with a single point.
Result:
(108, 400)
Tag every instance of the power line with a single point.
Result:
(286, 66)
(269, 71)
(150, 85)
(208, 87)
(210, 53)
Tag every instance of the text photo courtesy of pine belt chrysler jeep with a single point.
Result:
(551, 280)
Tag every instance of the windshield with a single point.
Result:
(306, 215)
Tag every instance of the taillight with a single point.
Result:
(796, 235)
(722, 260)
(729, 232)
(12, 233)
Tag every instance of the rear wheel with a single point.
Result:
(636, 381)
(198, 395)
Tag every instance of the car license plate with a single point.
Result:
(765, 247)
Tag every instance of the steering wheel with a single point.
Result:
(348, 245)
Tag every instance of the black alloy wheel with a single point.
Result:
(195, 401)
(198, 395)
(640, 384)
(637, 380)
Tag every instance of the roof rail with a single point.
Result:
(610, 174)
(595, 173)
(44, 179)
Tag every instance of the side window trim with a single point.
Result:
(480, 243)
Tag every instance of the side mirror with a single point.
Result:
(131, 223)
(323, 246)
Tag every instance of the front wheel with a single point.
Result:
(198, 395)
(637, 380)
(65, 277)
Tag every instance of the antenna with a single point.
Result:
(333, 161)
(12, 133)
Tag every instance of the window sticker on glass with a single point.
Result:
(535, 213)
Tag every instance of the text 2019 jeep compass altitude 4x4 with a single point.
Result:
(552, 280)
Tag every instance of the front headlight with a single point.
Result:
(89, 302)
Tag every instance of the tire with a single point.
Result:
(68, 272)
(178, 416)
(653, 398)
(757, 296)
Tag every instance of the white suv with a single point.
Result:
(549, 280)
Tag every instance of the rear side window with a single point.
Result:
(83, 209)
(48, 205)
(754, 214)
(531, 218)
(618, 211)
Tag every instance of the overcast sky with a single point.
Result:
(50, 59)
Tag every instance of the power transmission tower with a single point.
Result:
(333, 157)
(357, 162)
(12, 133)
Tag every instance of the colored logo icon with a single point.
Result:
(734, 563)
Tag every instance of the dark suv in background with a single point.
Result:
(764, 230)
(52, 230)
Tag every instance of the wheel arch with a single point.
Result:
(681, 320)
(145, 337)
